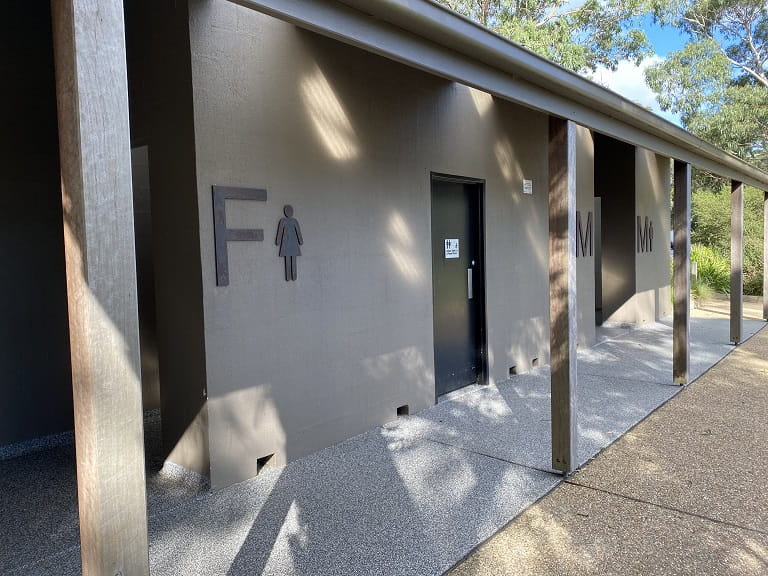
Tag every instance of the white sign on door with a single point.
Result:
(527, 186)
(451, 247)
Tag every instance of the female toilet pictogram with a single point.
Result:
(289, 239)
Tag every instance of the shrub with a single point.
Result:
(711, 226)
(701, 291)
(713, 268)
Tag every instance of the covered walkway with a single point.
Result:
(412, 497)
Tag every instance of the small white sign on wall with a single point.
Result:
(451, 247)
(527, 186)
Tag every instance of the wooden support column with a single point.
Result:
(765, 255)
(737, 260)
(681, 275)
(562, 292)
(94, 146)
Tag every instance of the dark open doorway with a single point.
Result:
(614, 225)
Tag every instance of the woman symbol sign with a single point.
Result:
(289, 239)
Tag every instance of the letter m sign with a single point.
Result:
(644, 235)
(583, 235)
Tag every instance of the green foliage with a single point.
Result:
(690, 79)
(737, 122)
(718, 83)
(711, 220)
(714, 269)
(577, 36)
(711, 226)
(701, 291)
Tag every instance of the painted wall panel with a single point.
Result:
(349, 140)
(634, 184)
(653, 183)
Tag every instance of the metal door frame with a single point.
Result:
(480, 296)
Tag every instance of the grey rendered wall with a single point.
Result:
(509, 145)
(162, 120)
(35, 375)
(585, 263)
(653, 182)
(615, 184)
(349, 139)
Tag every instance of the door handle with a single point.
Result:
(469, 283)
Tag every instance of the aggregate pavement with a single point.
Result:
(419, 494)
(682, 493)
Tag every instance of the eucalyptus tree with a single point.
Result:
(718, 82)
(577, 34)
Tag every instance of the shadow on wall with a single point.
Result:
(535, 331)
(344, 131)
(349, 128)
(405, 364)
(248, 430)
(145, 278)
(246, 434)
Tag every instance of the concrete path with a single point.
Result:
(413, 497)
(683, 493)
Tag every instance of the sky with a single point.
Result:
(664, 40)
(629, 80)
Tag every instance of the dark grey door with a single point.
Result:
(457, 282)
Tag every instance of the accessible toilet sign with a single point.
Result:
(451, 247)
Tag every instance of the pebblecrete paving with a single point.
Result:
(412, 497)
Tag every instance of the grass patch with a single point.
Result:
(714, 269)
(701, 291)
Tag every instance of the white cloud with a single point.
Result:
(629, 81)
